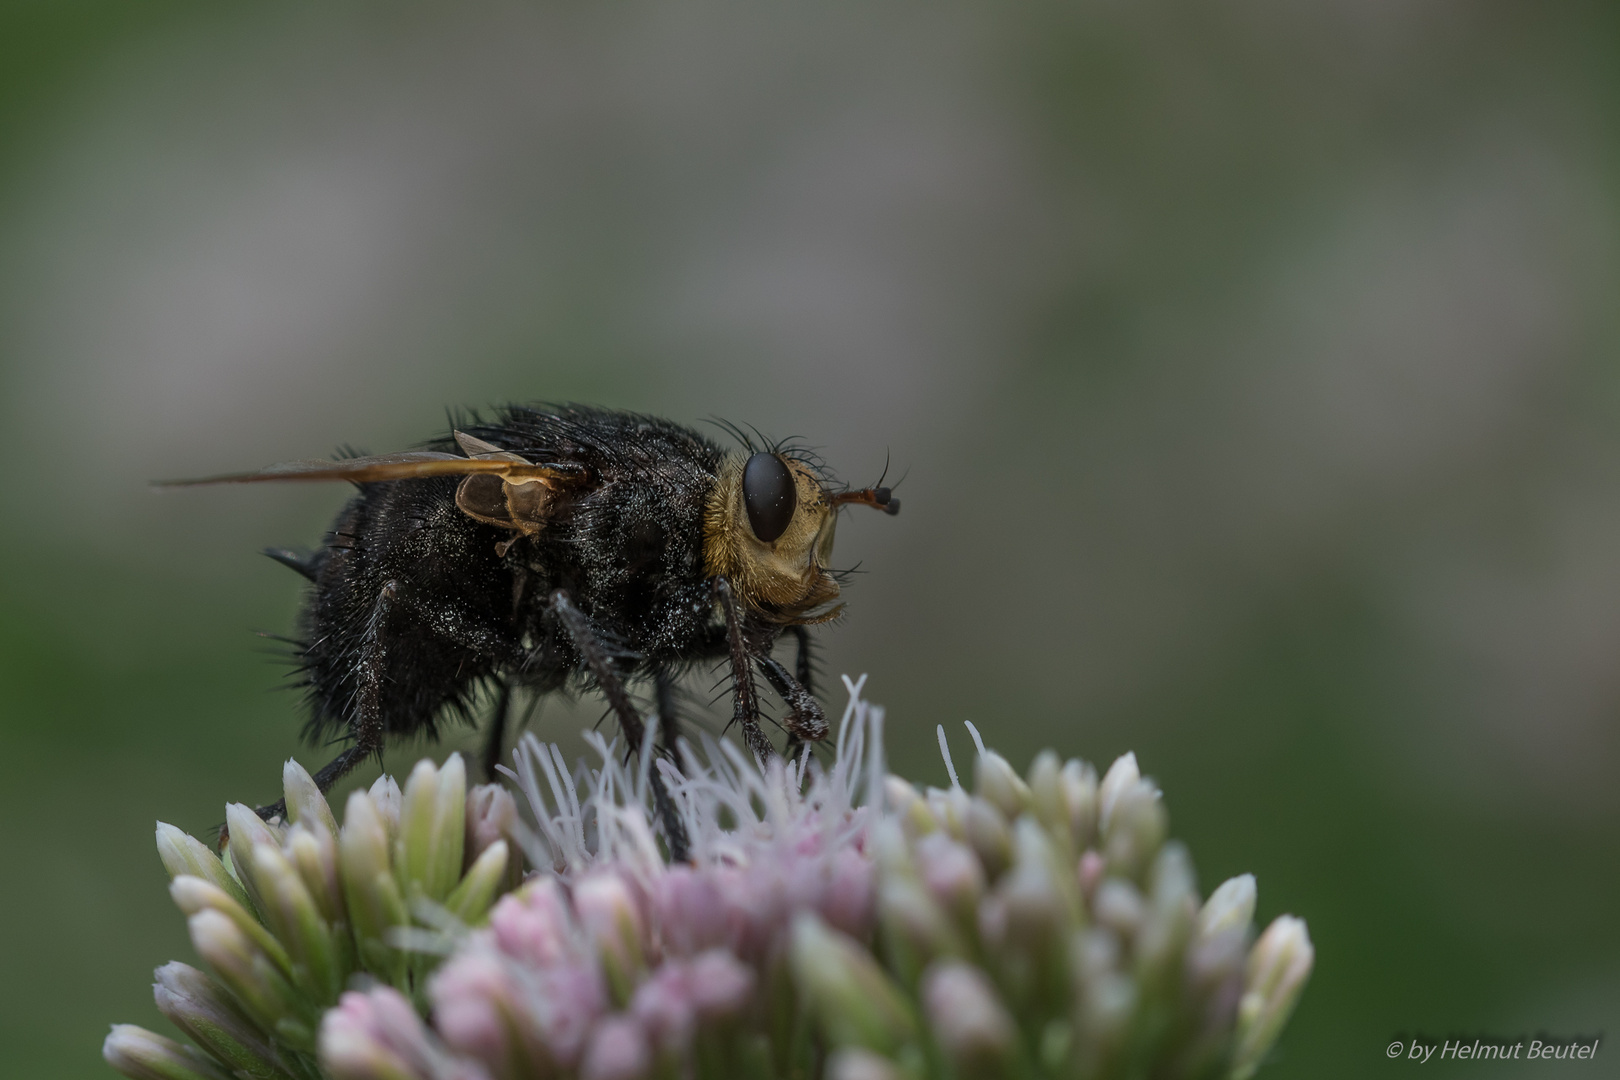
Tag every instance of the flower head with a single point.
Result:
(831, 919)
(298, 909)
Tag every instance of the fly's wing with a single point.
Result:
(501, 488)
(475, 447)
(362, 470)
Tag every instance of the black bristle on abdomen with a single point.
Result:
(292, 560)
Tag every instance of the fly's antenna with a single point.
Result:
(879, 498)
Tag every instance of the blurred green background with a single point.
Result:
(1253, 367)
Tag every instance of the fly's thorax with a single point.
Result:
(784, 577)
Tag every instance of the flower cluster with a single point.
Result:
(831, 921)
(297, 911)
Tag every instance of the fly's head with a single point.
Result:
(768, 529)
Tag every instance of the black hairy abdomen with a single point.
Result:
(412, 537)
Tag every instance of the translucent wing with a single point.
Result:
(411, 465)
(501, 488)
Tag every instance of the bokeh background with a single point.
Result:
(1252, 366)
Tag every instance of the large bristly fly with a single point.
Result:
(554, 548)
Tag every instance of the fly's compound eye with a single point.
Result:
(770, 496)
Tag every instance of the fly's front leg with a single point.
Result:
(595, 655)
(744, 699)
(803, 669)
(801, 662)
(805, 721)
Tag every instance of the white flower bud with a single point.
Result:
(314, 853)
(1095, 952)
(684, 996)
(370, 890)
(432, 829)
(387, 798)
(1106, 1007)
(1230, 907)
(996, 780)
(987, 833)
(363, 848)
(305, 803)
(1039, 864)
(349, 1054)
(1046, 798)
(183, 854)
(915, 929)
(1135, 827)
(1119, 906)
(201, 1008)
(856, 1002)
(1080, 796)
(855, 1063)
(377, 1036)
(491, 811)
(470, 900)
(192, 895)
(1279, 965)
(950, 808)
(252, 978)
(293, 914)
(141, 1055)
(617, 1051)
(1215, 963)
(609, 915)
(848, 898)
(535, 926)
(1172, 906)
(721, 985)
(968, 1020)
(519, 1019)
(1041, 912)
(909, 807)
(952, 875)
(245, 831)
(1121, 774)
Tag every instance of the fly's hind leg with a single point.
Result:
(595, 655)
(669, 721)
(366, 725)
(495, 741)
